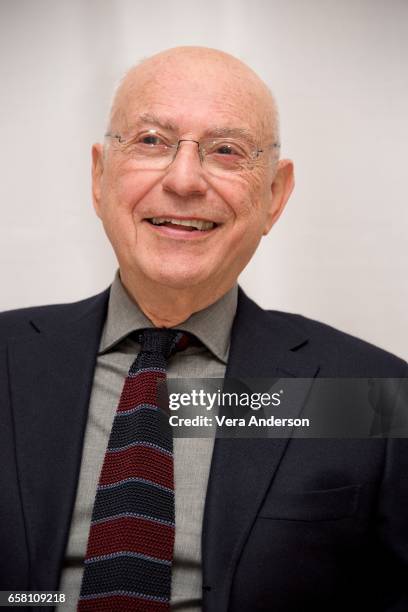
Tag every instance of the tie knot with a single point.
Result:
(162, 341)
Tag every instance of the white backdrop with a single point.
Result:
(339, 72)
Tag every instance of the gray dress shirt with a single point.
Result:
(192, 456)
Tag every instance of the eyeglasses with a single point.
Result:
(149, 149)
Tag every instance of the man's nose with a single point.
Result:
(185, 175)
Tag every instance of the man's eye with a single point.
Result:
(231, 151)
(151, 139)
(226, 149)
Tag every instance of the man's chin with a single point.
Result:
(180, 282)
(179, 278)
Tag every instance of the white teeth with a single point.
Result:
(197, 223)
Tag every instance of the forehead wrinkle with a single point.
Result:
(229, 132)
(154, 119)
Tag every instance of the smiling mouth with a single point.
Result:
(190, 225)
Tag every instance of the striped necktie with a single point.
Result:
(131, 539)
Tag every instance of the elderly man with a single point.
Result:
(98, 501)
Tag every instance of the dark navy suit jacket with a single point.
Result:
(290, 525)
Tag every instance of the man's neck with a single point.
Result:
(167, 306)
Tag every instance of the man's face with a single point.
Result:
(241, 206)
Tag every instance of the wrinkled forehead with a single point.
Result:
(193, 97)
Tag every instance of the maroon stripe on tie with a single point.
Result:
(121, 603)
(138, 462)
(140, 389)
(132, 534)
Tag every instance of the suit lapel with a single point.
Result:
(51, 373)
(262, 345)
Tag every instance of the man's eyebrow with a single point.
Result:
(154, 119)
(214, 131)
(229, 132)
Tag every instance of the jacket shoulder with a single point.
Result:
(341, 352)
(18, 322)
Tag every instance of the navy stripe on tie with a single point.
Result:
(127, 571)
(119, 592)
(140, 425)
(127, 553)
(146, 517)
(140, 443)
(121, 483)
(146, 499)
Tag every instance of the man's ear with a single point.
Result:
(281, 188)
(97, 172)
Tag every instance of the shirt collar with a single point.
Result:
(212, 326)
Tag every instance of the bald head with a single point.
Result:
(202, 69)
